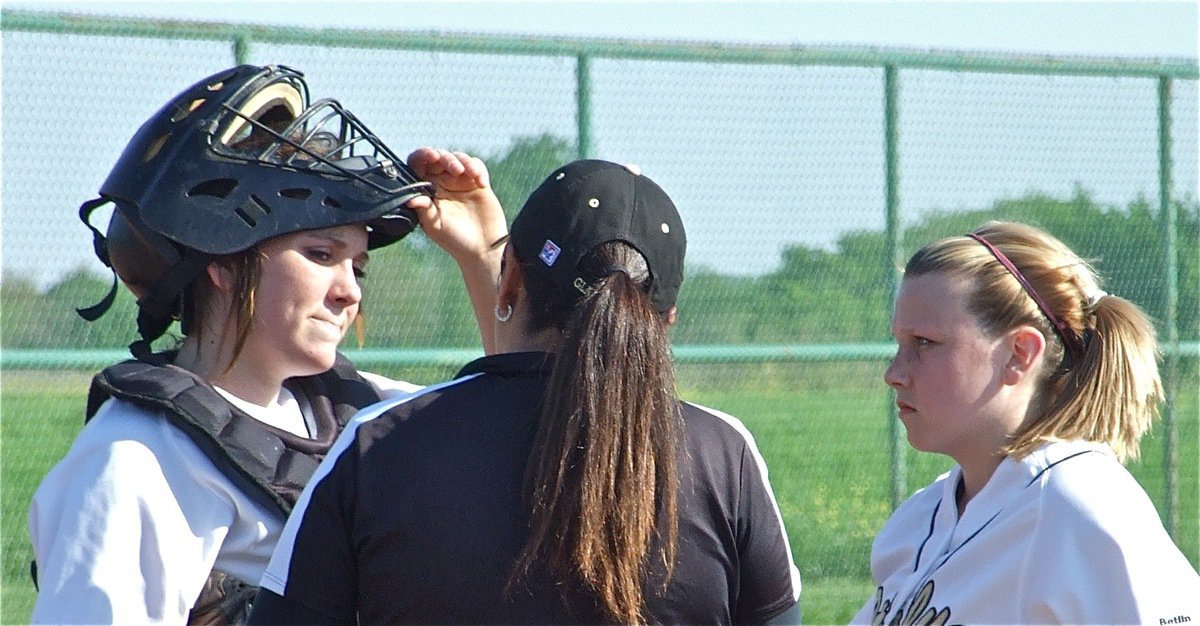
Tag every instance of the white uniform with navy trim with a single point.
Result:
(1065, 535)
(127, 526)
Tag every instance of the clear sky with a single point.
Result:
(1146, 28)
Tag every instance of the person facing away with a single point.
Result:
(1012, 361)
(247, 214)
(557, 481)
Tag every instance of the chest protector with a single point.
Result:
(266, 463)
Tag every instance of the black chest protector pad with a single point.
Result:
(268, 464)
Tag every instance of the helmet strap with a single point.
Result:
(150, 328)
(99, 245)
(98, 241)
(93, 313)
(159, 308)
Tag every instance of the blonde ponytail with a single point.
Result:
(1113, 394)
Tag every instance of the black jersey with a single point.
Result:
(416, 516)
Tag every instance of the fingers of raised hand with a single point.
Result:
(419, 160)
(433, 163)
(474, 168)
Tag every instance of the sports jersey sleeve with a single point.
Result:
(313, 567)
(1101, 555)
(769, 580)
(126, 528)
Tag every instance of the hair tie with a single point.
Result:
(609, 270)
(1094, 296)
(584, 286)
(1071, 341)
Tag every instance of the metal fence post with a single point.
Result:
(583, 104)
(241, 49)
(1169, 232)
(895, 259)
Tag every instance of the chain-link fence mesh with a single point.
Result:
(778, 161)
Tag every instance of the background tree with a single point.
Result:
(415, 298)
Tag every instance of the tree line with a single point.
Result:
(414, 296)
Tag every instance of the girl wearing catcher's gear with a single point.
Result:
(245, 213)
(1013, 362)
(561, 481)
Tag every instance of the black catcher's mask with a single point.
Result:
(238, 158)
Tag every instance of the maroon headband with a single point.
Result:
(1070, 340)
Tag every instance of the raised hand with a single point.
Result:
(466, 218)
(467, 221)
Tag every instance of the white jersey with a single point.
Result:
(128, 525)
(1063, 536)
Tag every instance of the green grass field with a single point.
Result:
(821, 427)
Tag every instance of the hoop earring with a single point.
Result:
(503, 317)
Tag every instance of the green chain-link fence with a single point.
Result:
(805, 176)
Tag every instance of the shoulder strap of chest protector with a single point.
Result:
(268, 464)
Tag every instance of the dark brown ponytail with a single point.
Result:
(602, 480)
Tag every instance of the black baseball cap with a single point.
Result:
(590, 202)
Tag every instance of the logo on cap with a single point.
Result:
(549, 253)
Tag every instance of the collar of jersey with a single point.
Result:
(510, 364)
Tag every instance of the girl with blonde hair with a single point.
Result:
(1013, 361)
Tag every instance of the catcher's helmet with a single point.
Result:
(233, 160)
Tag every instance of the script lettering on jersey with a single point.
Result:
(919, 613)
(1178, 619)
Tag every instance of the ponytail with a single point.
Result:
(603, 469)
(1112, 395)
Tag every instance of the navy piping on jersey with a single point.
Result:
(967, 540)
(933, 518)
(932, 525)
(1068, 458)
